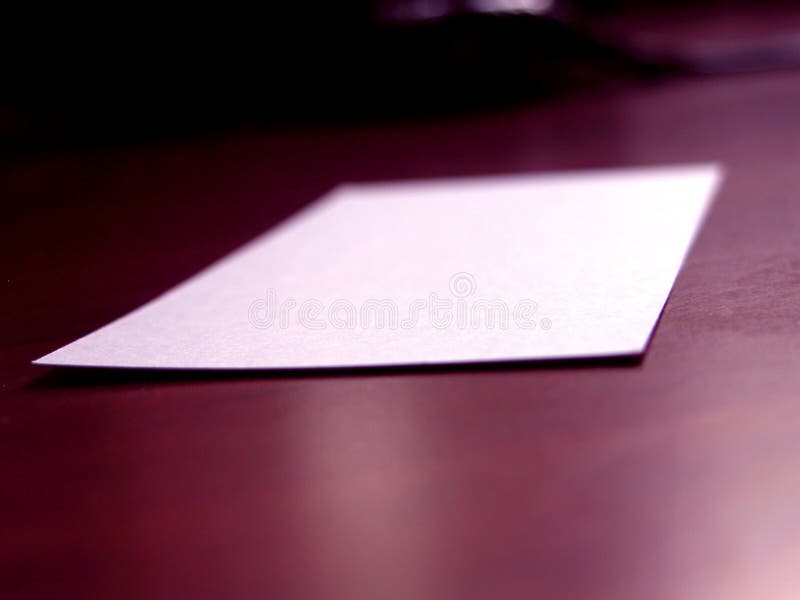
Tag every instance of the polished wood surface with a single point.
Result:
(677, 476)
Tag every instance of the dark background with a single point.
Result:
(75, 76)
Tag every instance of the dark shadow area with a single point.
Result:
(81, 85)
(61, 377)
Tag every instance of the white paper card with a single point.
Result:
(462, 270)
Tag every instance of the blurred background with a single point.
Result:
(73, 78)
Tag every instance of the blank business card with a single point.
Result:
(546, 266)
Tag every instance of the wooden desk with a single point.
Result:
(677, 477)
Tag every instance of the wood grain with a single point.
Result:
(674, 477)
